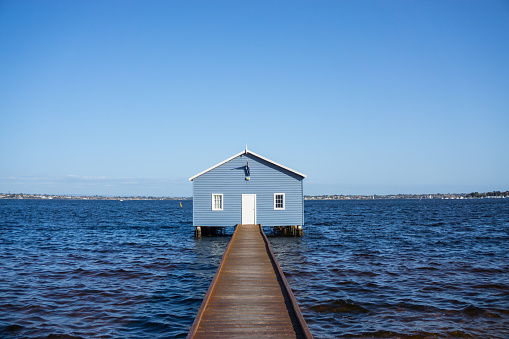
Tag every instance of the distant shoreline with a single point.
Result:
(436, 196)
(20, 196)
(441, 196)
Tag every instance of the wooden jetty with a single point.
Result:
(249, 296)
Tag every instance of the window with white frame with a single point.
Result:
(217, 202)
(279, 201)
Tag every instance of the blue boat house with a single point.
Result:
(248, 189)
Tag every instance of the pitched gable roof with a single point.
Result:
(252, 153)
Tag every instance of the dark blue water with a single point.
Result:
(364, 269)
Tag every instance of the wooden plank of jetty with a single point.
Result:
(249, 296)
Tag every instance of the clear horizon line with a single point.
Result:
(183, 196)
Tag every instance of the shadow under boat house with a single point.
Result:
(248, 189)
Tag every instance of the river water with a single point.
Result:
(364, 269)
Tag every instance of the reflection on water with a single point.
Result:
(402, 269)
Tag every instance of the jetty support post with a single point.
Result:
(288, 231)
(209, 231)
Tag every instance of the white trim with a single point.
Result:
(247, 152)
(275, 163)
(209, 169)
(243, 217)
(284, 201)
(222, 202)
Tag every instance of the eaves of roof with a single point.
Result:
(252, 153)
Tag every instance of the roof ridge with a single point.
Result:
(246, 151)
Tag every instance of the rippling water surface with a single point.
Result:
(364, 269)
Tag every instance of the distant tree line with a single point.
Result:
(488, 194)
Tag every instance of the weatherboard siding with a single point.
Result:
(265, 180)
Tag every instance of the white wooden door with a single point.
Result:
(248, 209)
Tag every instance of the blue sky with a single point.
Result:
(365, 97)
